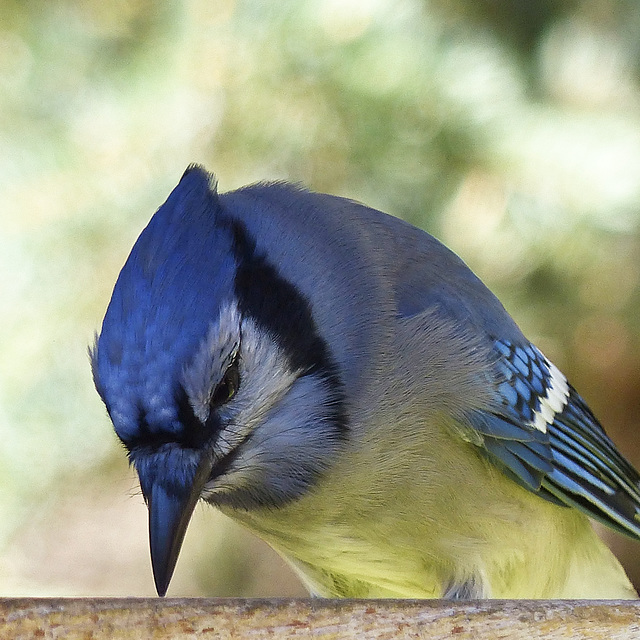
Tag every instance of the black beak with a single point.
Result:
(169, 515)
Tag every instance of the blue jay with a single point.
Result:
(343, 385)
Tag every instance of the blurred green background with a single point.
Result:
(510, 129)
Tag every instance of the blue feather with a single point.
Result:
(567, 458)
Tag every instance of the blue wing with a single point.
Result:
(546, 438)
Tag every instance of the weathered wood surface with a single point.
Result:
(102, 618)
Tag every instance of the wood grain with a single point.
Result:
(102, 618)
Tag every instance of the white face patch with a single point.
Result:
(264, 375)
(212, 359)
(290, 441)
(280, 428)
(554, 401)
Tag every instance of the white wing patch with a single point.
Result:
(555, 400)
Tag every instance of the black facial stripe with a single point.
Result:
(222, 466)
(276, 305)
(192, 435)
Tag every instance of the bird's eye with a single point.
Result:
(228, 386)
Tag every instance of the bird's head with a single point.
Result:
(213, 371)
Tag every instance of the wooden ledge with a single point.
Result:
(102, 618)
